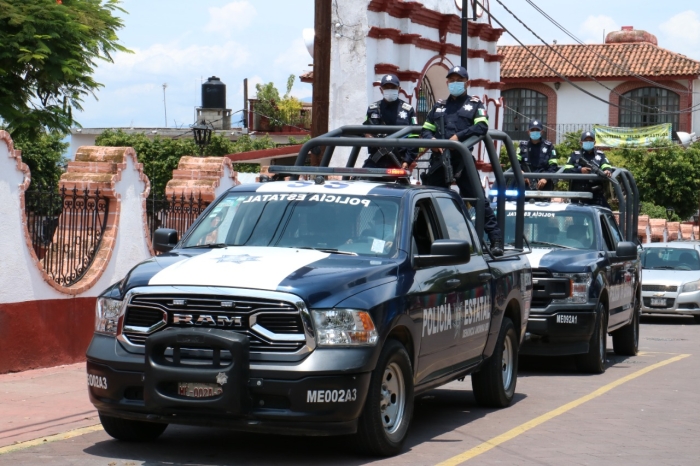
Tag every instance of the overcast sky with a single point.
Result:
(180, 43)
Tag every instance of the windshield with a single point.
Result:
(562, 229)
(670, 259)
(333, 223)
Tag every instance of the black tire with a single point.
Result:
(380, 432)
(697, 319)
(131, 431)
(593, 362)
(626, 339)
(494, 384)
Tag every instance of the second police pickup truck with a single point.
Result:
(586, 274)
(315, 307)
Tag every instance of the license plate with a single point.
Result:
(198, 390)
(658, 302)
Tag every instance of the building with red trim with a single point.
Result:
(624, 64)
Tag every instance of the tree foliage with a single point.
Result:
(48, 53)
(285, 110)
(43, 154)
(160, 156)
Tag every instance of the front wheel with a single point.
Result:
(593, 361)
(131, 431)
(384, 421)
(494, 384)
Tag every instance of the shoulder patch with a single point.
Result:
(548, 143)
(577, 152)
(523, 143)
(475, 99)
(374, 105)
(407, 106)
(439, 102)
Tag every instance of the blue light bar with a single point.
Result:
(347, 171)
(509, 192)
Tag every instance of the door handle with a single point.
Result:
(485, 277)
(453, 283)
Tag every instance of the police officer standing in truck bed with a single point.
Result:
(457, 119)
(538, 155)
(390, 111)
(592, 158)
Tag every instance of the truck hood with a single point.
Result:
(563, 260)
(317, 277)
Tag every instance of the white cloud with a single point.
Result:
(230, 18)
(682, 34)
(295, 59)
(594, 28)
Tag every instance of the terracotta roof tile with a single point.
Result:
(644, 59)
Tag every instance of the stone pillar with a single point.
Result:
(207, 177)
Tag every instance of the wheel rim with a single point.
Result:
(393, 401)
(507, 362)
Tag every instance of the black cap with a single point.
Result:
(587, 134)
(535, 124)
(460, 70)
(390, 79)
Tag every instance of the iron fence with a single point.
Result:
(66, 228)
(176, 212)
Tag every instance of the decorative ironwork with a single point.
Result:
(66, 228)
(425, 101)
(523, 105)
(649, 106)
(178, 213)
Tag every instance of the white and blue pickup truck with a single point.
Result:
(317, 307)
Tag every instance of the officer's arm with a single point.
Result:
(552, 163)
(605, 165)
(571, 167)
(368, 118)
(521, 155)
(411, 152)
(429, 127)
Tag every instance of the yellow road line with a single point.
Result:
(511, 434)
(50, 438)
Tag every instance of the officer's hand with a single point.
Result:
(585, 170)
(609, 173)
(541, 184)
(527, 182)
(404, 165)
(454, 138)
(437, 150)
(367, 135)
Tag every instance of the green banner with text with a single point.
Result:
(611, 136)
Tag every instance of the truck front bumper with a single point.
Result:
(321, 395)
(559, 330)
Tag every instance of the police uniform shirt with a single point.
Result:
(541, 157)
(573, 165)
(463, 115)
(398, 113)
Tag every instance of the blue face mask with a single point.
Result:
(456, 88)
(535, 135)
(390, 95)
(588, 145)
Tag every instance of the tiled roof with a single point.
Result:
(644, 59)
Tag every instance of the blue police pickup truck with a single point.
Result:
(317, 307)
(586, 283)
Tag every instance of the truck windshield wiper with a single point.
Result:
(208, 246)
(330, 250)
(554, 245)
(661, 267)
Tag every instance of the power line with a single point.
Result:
(655, 109)
(558, 74)
(620, 67)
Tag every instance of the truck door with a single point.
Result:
(434, 296)
(620, 279)
(474, 288)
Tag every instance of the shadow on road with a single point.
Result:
(436, 413)
(667, 320)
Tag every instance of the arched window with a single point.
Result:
(646, 106)
(521, 106)
(425, 101)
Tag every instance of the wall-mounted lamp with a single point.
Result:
(557, 85)
(669, 213)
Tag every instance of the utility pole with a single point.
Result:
(245, 103)
(165, 109)
(465, 34)
(322, 71)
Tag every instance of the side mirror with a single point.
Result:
(444, 252)
(626, 250)
(164, 239)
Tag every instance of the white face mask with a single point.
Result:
(391, 95)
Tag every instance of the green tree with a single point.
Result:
(48, 53)
(43, 154)
(290, 107)
(268, 98)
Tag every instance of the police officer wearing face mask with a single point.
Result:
(390, 111)
(538, 156)
(594, 157)
(458, 118)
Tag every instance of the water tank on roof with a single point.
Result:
(630, 35)
(213, 93)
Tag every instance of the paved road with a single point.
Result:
(643, 410)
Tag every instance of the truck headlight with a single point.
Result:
(691, 286)
(579, 284)
(344, 327)
(108, 311)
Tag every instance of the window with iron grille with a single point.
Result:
(649, 106)
(522, 106)
(425, 101)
